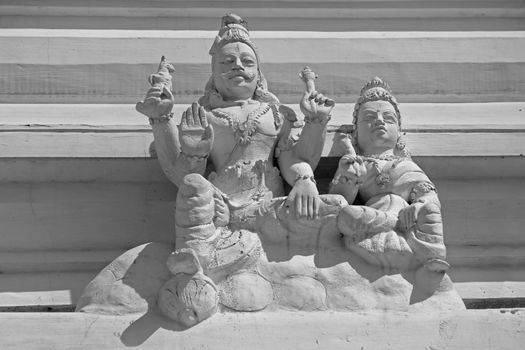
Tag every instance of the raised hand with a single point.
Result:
(351, 169)
(195, 134)
(158, 102)
(314, 105)
(159, 99)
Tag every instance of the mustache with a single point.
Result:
(239, 73)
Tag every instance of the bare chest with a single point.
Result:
(238, 125)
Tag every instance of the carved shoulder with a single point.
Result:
(408, 176)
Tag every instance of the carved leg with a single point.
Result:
(426, 283)
(206, 248)
(189, 296)
(357, 223)
(201, 219)
(378, 215)
(194, 213)
(370, 231)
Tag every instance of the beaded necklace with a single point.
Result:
(243, 130)
(383, 177)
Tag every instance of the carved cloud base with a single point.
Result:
(131, 284)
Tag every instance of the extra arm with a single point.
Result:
(348, 176)
(181, 149)
(292, 156)
(173, 161)
(301, 157)
(310, 145)
(296, 171)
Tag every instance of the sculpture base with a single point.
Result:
(131, 284)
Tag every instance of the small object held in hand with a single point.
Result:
(308, 76)
(163, 75)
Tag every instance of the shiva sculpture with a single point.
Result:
(240, 244)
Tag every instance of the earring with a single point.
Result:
(400, 148)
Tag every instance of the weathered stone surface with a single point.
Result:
(371, 330)
(246, 291)
(305, 252)
(132, 283)
(188, 298)
(301, 293)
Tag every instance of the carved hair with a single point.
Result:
(235, 29)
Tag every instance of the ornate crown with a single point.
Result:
(233, 28)
(375, 83)
(233, 20)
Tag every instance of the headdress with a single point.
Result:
(376, 90)
(235, 29)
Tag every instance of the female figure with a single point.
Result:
(401, 212)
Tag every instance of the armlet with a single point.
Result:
(421, 189)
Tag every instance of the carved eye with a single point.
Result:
(390, 118)
(248, 62)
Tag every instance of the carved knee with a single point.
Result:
(194, 205)
(194, 211)
(361, 221)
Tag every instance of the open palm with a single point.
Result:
(195, 133)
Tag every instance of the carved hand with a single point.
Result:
(346, 144)
(158, 102)
(408, 216)
(305, 197)
(316, 106)
(195, 134)
(351, 169)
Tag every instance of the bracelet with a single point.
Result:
(421, 189)
(309, 120)
(341, 179)
(161, 119)
(192, 157)
(305, 177)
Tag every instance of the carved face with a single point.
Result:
(377, 127)
(235, 71)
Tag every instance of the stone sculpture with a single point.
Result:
(240, 244)
(400, 224)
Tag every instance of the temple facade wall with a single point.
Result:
(79, 179)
